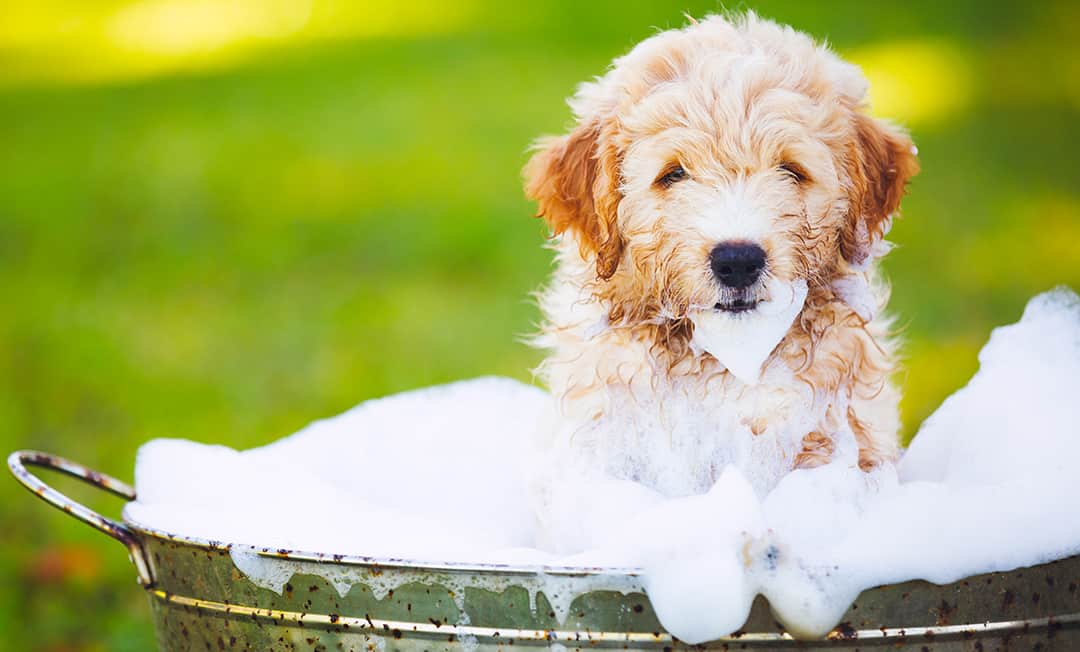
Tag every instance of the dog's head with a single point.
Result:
(712, 163)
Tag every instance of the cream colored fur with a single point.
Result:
(739, 103)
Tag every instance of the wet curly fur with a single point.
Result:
(771, 132)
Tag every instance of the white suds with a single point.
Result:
(443, 475)
(742, 342)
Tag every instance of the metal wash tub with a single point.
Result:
(203, 598)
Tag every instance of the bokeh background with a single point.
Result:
(222, 220)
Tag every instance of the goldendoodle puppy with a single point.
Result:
(718, 209)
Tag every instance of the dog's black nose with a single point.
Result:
(737, 264)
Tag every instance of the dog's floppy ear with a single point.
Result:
(574, 179)
(881, 161)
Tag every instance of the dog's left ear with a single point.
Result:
(881, 162)
(574, 180)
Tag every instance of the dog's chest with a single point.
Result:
(676, 434)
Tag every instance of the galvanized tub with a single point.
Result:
(203, 597)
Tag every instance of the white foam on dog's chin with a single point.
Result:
(743, 341)
(989, 484)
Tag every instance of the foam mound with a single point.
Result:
(985, 486)
(425, 474)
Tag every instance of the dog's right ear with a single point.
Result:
(574, 180)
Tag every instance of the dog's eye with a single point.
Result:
(671, 175)
(793, 170)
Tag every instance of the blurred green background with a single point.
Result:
(222, 220)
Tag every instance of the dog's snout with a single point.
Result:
(737, 264)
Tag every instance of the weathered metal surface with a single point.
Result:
(214, 596)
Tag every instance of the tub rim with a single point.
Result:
(383, 563)
(131, 532)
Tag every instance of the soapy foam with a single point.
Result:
(412, 464)
(986, 485)
(742, 342)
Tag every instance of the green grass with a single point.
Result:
(227, 254)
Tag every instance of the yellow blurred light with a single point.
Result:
(68, 41)
(184, 27)
(916, 81)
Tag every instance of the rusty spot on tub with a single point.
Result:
(842, 632)
(638, 608)
(334, 618)
(312, 588)
(943, 613)
(1008, 599)
(435, 621)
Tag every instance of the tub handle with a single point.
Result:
(19, 460)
